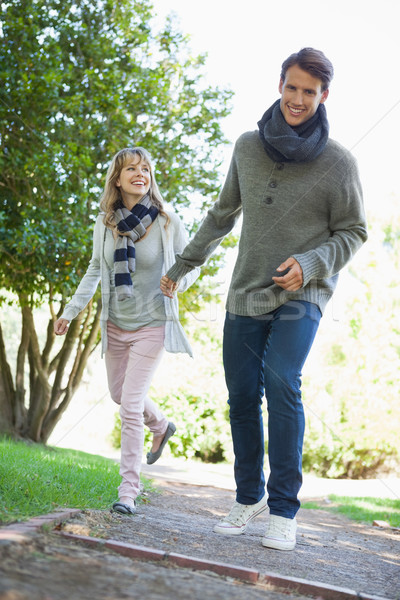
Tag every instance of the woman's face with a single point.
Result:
(134, 181)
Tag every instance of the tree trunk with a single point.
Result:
(85, 349)
(47, 400)
(7, 392)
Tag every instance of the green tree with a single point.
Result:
(78, 82)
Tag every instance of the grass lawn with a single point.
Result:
(37, 479)
(365, 510)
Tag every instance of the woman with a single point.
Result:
(134, 243)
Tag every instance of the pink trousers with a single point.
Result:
(131, 360)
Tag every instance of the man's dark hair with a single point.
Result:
(314, 62)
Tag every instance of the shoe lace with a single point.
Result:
(279, 528)
(236, 513)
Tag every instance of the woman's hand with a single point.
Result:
(167, 286)
(61, 326)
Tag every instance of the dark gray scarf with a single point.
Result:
(134, 224)
(283, 143)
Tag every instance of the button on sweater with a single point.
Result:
(312, 211)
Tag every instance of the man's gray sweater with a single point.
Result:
(312, 211)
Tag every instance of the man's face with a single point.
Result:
(301, 95)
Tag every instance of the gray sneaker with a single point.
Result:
(280, 534)
(124, 509)
(239, 517)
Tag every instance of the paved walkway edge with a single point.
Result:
(22, 532)
(315, 589)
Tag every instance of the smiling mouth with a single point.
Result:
(295, 111)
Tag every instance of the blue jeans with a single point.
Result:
(266, 354)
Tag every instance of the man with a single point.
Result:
(303, 220)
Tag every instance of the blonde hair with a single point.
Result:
(111, 198)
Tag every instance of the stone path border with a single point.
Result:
(21, 533)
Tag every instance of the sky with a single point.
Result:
(247, 42)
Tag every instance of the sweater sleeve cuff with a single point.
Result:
(70, 313)
(307, 264)
(178, 271)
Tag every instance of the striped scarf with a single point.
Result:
(134, 223)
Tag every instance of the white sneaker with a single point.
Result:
(281, 533)
(241, 514)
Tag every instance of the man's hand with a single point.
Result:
(167, 286)
(293, 280)
(61, 326)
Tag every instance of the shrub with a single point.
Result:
(326, 455)
(202, 427)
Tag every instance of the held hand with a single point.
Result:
(293, 280)
(61, 326)
(167, 286)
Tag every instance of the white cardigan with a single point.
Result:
(174, 240)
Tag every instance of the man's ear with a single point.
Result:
(280, 86)
(325, 95)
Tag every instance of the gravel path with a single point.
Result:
(179, 519)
